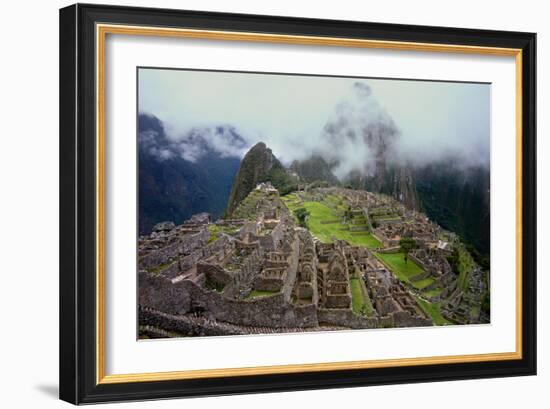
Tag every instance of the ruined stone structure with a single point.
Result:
(262, 273)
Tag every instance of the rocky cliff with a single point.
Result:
(173, 185)
(314, 169)
(259, 165)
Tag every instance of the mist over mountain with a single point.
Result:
(175, 181)
(314, 169)
(301, 116)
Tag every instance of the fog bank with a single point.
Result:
(348, 121)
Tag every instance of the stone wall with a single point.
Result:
(182, 264)
(404, 319)
(160, 293)
(345, 318)
(185, 325)
(292, 269)
(185, 296)
(182, 245)
(273, 284)
(214, 274)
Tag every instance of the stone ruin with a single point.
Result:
(265, 274)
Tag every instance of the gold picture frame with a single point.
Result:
(97, 24)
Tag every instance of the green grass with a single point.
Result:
(320, 214)
(386, 218)
(360, 304)
(215, 231)
(433, 310)
(465, 265)
(161, 267)
(421, 284)
(403, 270)
(256, 294)
(247, 209)
(433, 293)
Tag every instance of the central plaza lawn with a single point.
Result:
(324, 223)
(405, 271)
(320, 214)
(433, 310)
(360, 304)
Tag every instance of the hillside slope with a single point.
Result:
(173, 188)
(259, 165)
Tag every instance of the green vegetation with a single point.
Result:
(256, 294)
(407, 244)
(302, 215)
(387, 218)
(314, 170)
(462, 263)
(157, 269)
(421, 284)
(215, 231)
(433, 310)
(214, 285)
(484, 260)
(486, 303)
(457, 198)
(255, 202)
(259, 165)
(405, 271)
(327, 232)
(361, 305)
(281, 180)
(322, 222)
(432, 293)
(397, 264)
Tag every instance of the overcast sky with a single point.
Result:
(289, 113)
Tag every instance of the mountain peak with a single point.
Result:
(259, 145)
(314, 169)
(259, 165)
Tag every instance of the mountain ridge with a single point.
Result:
(173, 187)
(259, 165)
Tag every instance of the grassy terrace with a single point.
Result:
(323, 222)
(159, 268)
(360, 304)
(433, 293)
(248, 208)
(433, 310)
(465, 265)
(215, 231)
(421, 284)
(256, 294)
(405, 271)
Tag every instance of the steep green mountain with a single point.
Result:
(314, 169)
(259, 165)
(458, 199)
(398, 182)
(172, 188)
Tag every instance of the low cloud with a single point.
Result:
(193, 144)
(347, 121)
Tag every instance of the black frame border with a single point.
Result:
(78, 210)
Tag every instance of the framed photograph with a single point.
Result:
(258, 203)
